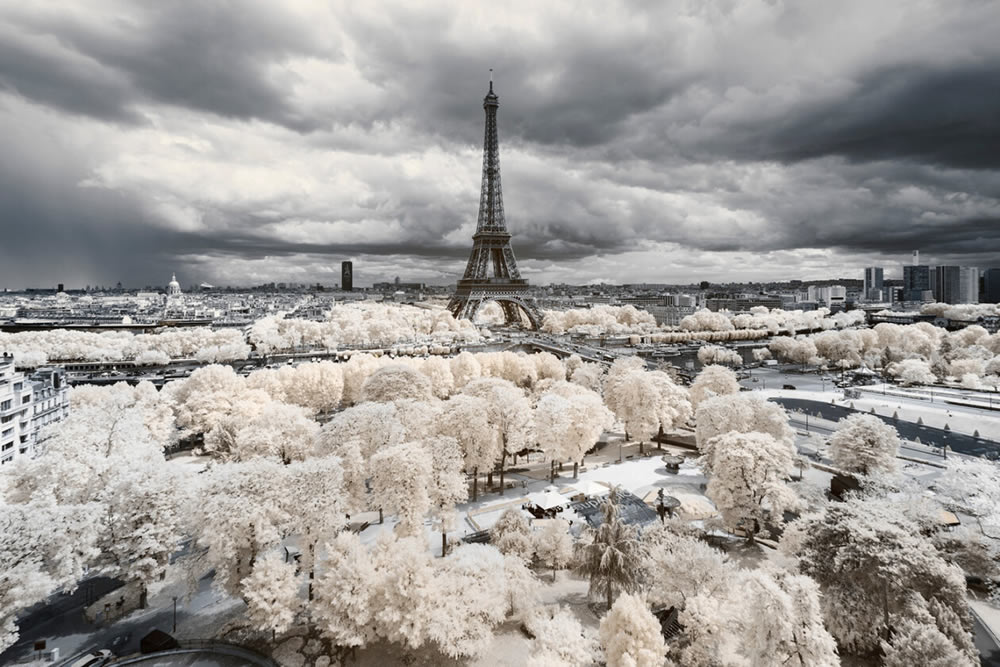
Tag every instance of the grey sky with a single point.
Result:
(666, 142)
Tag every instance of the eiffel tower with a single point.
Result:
(491, 244)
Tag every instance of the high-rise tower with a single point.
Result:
(491, 274)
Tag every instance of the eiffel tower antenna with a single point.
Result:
(491, 244)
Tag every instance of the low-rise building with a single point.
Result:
(26, 405)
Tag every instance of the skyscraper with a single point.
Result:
(873, 284)
(968, 287)
(947, 284)
(346, 276)
(991, 286)
(916, 281)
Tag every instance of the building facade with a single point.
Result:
(26, 405)
(956, 284)
(968, 288)
(917, 282)
(873, 288)
(346, 276)
(991, 286)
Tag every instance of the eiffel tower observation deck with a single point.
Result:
(491, 274)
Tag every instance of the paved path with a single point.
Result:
(958, 442)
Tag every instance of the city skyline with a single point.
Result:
(758, 143)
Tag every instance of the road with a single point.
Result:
(928, 435)
(989, 650)
(61, 622)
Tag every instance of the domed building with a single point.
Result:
(173, 287)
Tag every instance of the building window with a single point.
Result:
(7, 419)
(18, 386)
(7, 445)
(5, 405)
(6, 432)
(26, 399)
(7, 459)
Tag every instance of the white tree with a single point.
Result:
(673, 406)
(464, 613)
(355, 371)
(405, 596)
(465, 418)
(918, 641)
(616, 391)
(439, 372)
(509, 414)
(560, 639)
(141, 523)
(373, 426)
(343, 608)
(864, 444)
(554, 545)
(314, 500)
(569, 420)
(394, 382)
(511, 534)
(465, 367)
(272, 594)
(783, 623)
(46, 547)
(712, 381)
(316, 386)
(590, 376)
(447, 485)
(636, 400)
(240, 516)
(870, 559)
(206, 396)
(283, 432)
(401, 477)
(913, 371)
(612, 555)
(679, 566)
(741, 413)
(631, 635)
(748, 483)
(716, 354)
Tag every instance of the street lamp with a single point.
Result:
(175, 613)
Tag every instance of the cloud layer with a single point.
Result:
(240, 143)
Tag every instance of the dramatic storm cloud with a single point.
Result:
(244, 142)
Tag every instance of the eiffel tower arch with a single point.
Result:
(491, 274)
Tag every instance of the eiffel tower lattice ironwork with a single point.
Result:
(491, 274)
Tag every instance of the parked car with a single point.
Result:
(788, 386)
(93, 659)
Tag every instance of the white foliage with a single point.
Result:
(712, 381)
(742, 413)
(569, 420)
(466, 418)
(600, 319)
(560, 639)
(869, 559)
(630, 634)
(715, 354)
(344, 592)
(553, 544)
(512, 535)
(394, 382)
(748, 482)
(401, 477)
(272, 594)
(864, 444)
